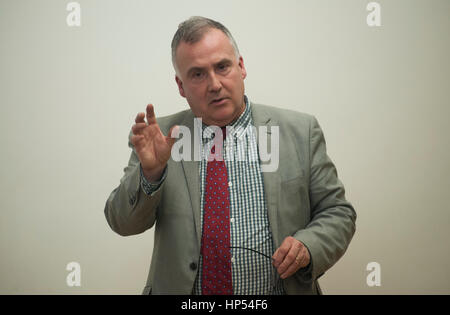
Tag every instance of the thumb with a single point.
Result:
(174, 132)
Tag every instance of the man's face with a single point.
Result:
(211, 78)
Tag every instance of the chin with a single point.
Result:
(225, 115)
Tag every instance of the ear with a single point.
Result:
(241, 65)
(180, 86)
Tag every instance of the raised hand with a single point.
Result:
(152, 147)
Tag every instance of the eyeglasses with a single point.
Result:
(275, 280)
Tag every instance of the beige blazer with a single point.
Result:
(305, 199)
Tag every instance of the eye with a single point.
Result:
(197, 75)
(223, 67)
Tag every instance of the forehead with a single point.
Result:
(211, 48)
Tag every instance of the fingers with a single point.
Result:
(151, 119)
(138, 127)
(299, 262)
(140, 118)
(150, 115)
(285, 257)
(280, 253)
(289, 259)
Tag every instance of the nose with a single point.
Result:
(214, 84)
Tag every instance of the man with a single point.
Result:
(273, 232)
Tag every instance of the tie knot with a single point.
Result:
(224, 135)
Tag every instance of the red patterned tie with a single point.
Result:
(216, 277)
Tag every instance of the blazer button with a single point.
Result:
(193, 266)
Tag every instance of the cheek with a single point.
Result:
(195, 91)
(196, 97)
(235, 85)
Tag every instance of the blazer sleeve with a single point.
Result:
(129, 210)
(332, 224)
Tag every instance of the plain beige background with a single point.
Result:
(69, 96)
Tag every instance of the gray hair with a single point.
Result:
(192, 30)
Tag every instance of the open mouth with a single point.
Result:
(219, 101)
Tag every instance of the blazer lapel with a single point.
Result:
(192, 175)
(271, 179)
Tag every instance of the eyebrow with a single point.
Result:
(193, 69)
